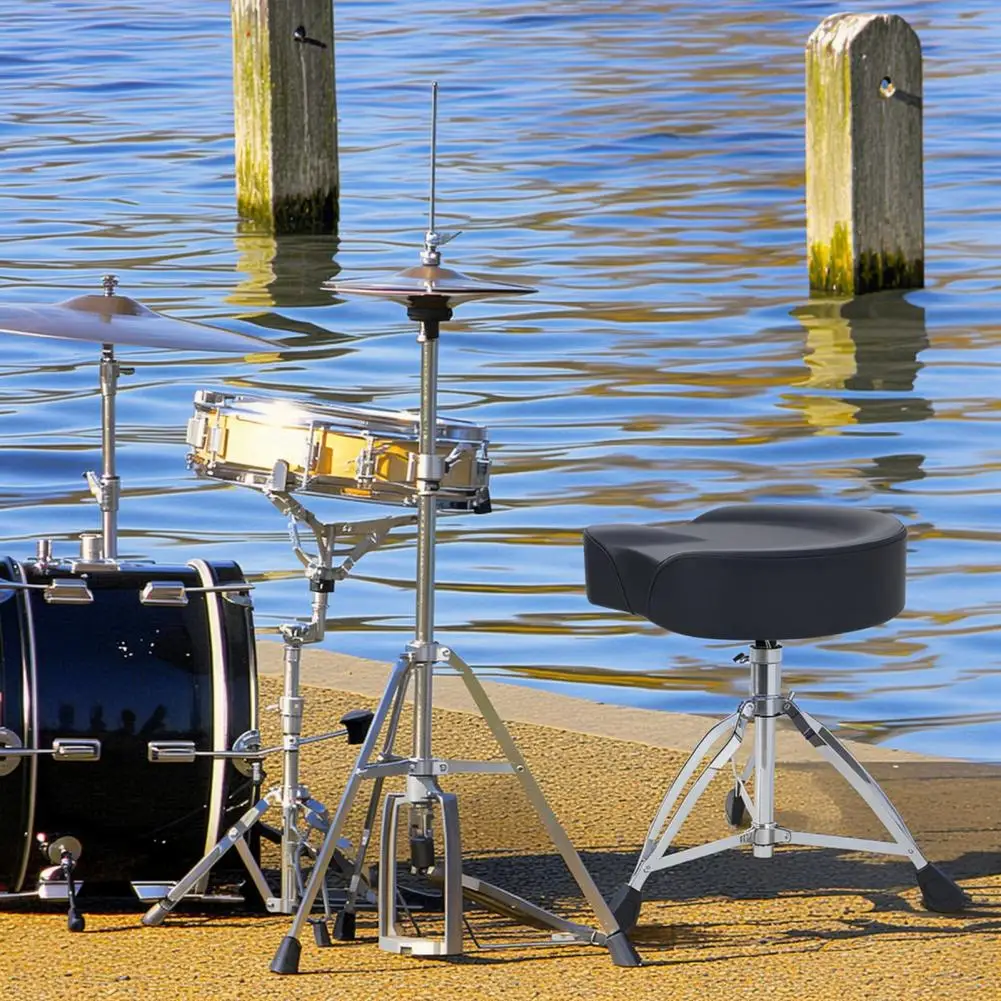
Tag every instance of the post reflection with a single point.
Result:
(863, 357)
(283, 270)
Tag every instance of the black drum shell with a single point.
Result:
(123, 673)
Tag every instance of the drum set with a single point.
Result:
(119, 676)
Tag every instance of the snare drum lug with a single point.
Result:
(217, 440)
(279, 477)
(195, 435)
(365, 464)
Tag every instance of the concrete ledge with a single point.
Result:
(519, 704)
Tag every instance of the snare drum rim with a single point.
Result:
(365, 420)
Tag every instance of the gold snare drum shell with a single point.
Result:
(338, 451)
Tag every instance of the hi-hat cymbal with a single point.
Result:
(425, 281)
(117, 319)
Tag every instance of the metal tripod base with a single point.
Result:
(764, 706)
(423, 790)
(193, 882)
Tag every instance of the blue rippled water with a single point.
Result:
(641, 163)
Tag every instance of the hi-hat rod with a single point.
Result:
(434, 150)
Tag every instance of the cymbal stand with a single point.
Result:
(107, 489)
(423, 796)
(291, 795)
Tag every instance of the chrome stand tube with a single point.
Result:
(429, 475)
(109, 490)
(766, 691)
(292, 796)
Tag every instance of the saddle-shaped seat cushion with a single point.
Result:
(753, 571)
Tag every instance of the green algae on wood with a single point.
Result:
(864, 170)
(285, 114)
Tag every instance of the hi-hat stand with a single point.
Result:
(300, 814)
(428, 291)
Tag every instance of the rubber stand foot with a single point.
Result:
(734, 809)
(286, 959)
(75, 920)
(941, 893)
(321, 934)
(344, 926)
(155, 915)
(622, 951)
(625, 905)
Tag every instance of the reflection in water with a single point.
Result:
(655, 374)
(867, 345)
(283, 270)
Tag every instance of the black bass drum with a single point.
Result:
(122, 672)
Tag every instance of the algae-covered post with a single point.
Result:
(285, 114)
(864, 174)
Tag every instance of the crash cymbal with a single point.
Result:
(427, 280)
(117, 319)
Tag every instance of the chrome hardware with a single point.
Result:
(171, 752)
(430, 468)
(75, 749)
(90, 542)
(61, 590)
(164, 592)
(62, 749)
(175, 592)
(365, 464)
(279, 477)
(67, 591)
(195, 434)
(8, 762)
(43, 551)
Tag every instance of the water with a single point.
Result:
(641, 163)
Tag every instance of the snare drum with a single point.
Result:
(114, 673)
(359, 453)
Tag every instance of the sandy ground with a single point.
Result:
(807, 922)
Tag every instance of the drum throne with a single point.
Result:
(775, 572)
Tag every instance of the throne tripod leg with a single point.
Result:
(286, 958)
(628, 899)
(940, 893)
(678, 785)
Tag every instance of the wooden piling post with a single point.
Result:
(285, 113)
(864, 171)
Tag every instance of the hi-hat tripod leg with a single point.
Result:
(619, 946)
(344, 927)
(286, 958)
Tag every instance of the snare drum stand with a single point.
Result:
(427, 291)
(293, 798)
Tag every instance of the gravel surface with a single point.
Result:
(808, 922)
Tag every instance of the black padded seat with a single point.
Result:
(753, 571)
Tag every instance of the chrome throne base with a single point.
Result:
(764, 706)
